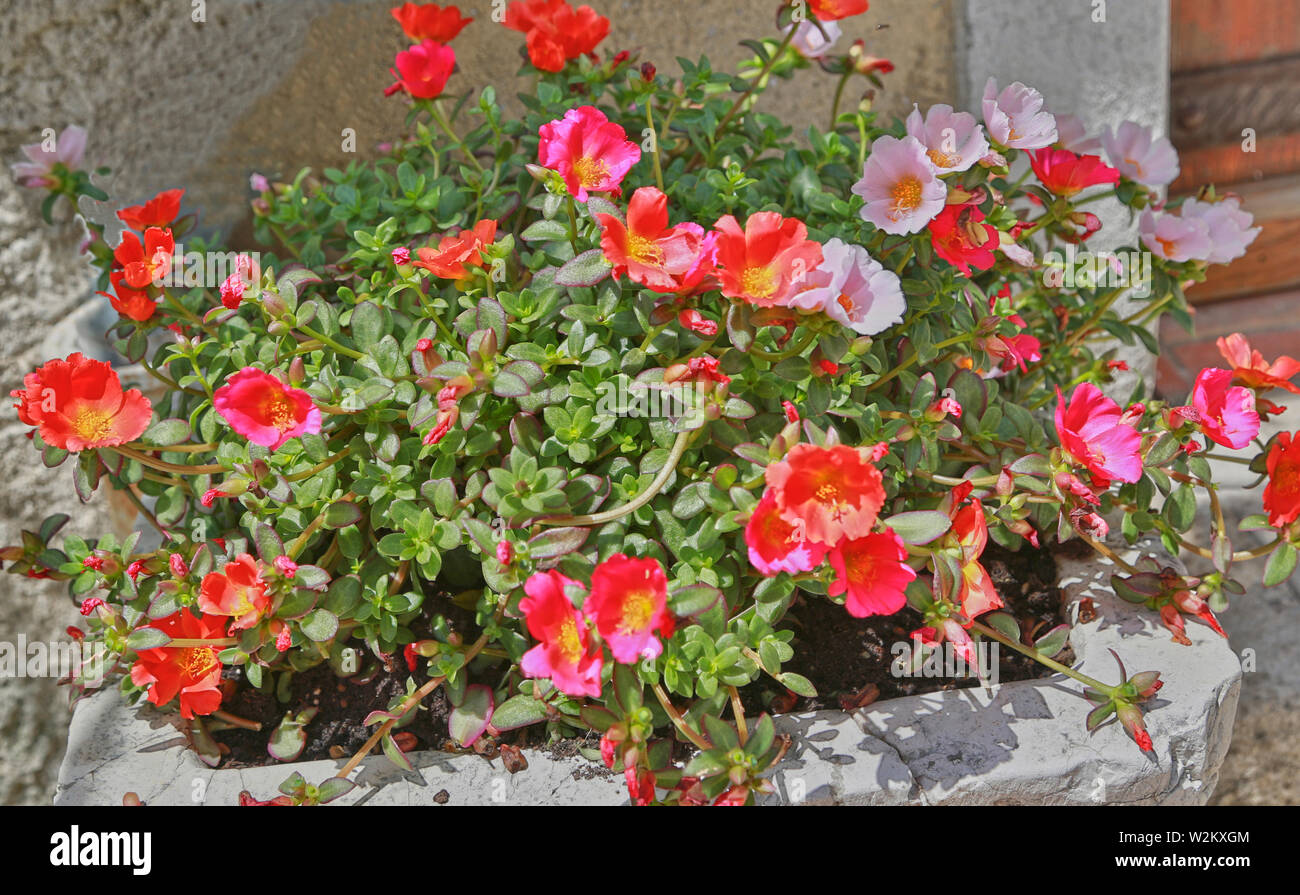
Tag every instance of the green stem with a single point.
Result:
(326, 340)
(654, 142)
(1034, 654)
(678, 721)
(669, 467)
(797, 348)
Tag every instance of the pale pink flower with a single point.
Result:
(899, 184)
(1071, 134)
(1175, 238)
(813, 39)
(38, 172)
(853, 289)
(953, 140)
(1140, 156)
(1015, 117)
(1229, 227)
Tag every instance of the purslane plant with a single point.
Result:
(625, 375)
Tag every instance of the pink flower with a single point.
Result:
(1072, 134)
(1175, 238)
(1091, 432)
(629, 603)
(401, 255)
(853, 289)
(776, 545)
(871, 573)
(265, 410)
(1139, 156)
(953, 140)
(813, 40)
(589, 151)
(40, 172)
(285, 566)
(899, 185)
(1227, 411)
(1016, 118)
(564, 654)
(1229, 227)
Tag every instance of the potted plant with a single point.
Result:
(561, 426)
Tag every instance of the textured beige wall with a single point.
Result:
(267, 86)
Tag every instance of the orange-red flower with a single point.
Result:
(134, 304)
(159, 211)
(775, 545)
(142, 264)
(556, 32)
(871, 573)
(629, 603)
(237, 591)
(192, 671)
(1282, 493)
(766, 262)
(429, 21)
(78, 403)
(976, 592)
(1251, 370)
(830, 10)
(1065, 173)
(454, 255)
(646, 249)
(423, 70)
(827, 493)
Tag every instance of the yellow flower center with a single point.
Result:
(638, 609)
(591, 172)
(280, 411)
(906, 194)
(92, 424)
(943, 159)
(643, 250)
(758, 282)
(569, 642)
(198, 661)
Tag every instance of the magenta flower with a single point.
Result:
(953, 140)
(776, 545)
(853, 289)
(1016, 118)
(1229, 227)
(1093, 434)
(1227, 411)
(564, 654)
(265, 410)
(588, 150)
(899, 184)
(629, 603)
(1139, 156)
(39, 172)
(1175, 238)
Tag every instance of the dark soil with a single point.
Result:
(848, 660)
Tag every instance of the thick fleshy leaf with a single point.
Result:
(518, 711)
(471, 716)
(586, 269)
(920, 526)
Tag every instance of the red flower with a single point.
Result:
(976, 592)
(454, 255)
(775, 545)
(1092, 433)
(192, 671)
(134, 304)
(766, 261)
(423, 70)
(78, 403)
(1227, 412)
(1251, 370)
(1282, 493)
(871, 573)
(141, 265)
(697, 322)
(564, 654)
(833, 492)
(960, 237)
(591, 153)
(830, 10)
(556, 32)
(237, 591)
(265, 410)
(159, 211)
(429, 21)
(629, 602)
(1013, 351)
(1065, 173)
(646, 249)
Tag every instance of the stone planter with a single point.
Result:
(1022, 742)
